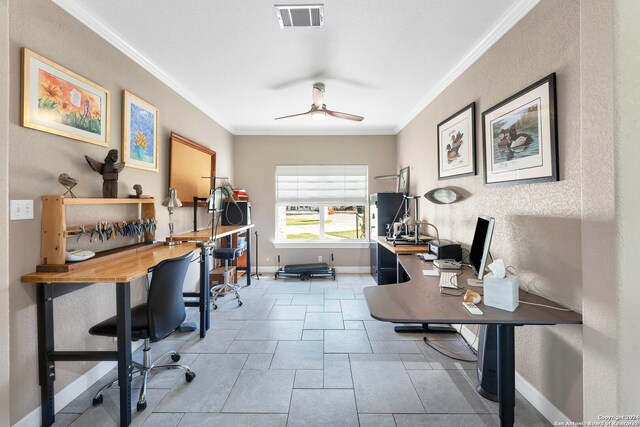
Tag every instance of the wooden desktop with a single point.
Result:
(122, 272)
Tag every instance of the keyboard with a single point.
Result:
(448, 279)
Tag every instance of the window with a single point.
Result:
(321, 203)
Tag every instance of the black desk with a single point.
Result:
(419, 301)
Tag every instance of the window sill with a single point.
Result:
(300, 244)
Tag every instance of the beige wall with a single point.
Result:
(36, 159)
(255, 159)
(627, 124)
(538, 227)
(600, 293)
(4, 223)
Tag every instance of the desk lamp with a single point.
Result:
(172, 202)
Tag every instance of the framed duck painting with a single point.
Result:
(457, 144)
(520, 137)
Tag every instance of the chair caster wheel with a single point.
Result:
(239, 303)
(215, 307)
(141, 406)
(97, 400)
(189, 376)
(175, 357)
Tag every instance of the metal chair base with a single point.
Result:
(145, 370)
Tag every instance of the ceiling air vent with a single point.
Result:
(300, 16)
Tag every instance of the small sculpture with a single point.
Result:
(138, 189)
(67, 182)
(109, 171)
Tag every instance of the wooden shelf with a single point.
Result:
(101, 201)
(53, 244)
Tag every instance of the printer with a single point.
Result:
(445, 249)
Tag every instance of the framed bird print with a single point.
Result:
(457, 144)
(59, 101)
(520, 136)
(140, 124)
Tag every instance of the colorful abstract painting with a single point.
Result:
(58, 101)
(140, 133)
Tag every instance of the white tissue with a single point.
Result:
(497, 268)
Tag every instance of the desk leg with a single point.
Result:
(46, 367)
(205, 314)
(123, 303)
(506, 374)
(248, 258)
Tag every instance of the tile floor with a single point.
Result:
(304, 354)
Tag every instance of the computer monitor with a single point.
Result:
(480, 247)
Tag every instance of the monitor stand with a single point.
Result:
(475, 282)
(425, 328)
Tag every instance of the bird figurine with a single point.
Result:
(109, 171)
(67, 182)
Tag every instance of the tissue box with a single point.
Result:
(501, 293)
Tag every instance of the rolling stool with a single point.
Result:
(228, 255)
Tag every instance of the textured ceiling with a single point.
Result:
(380, 59)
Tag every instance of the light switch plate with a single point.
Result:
(21, 209)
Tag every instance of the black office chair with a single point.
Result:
(153, 321)
(228, 255)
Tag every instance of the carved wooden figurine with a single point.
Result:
(109, 171)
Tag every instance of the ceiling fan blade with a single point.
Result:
(296, 115)
(345, 116)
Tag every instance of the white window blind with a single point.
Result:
(321, 185)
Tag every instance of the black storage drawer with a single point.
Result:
(383, 209)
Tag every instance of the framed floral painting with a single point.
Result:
(140, 124)
(59, 101)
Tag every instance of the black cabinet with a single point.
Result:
(383, 208)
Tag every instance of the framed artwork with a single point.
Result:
(520, 136)
(403, 181)
(140, 125)
(59, 101)
(457, 144)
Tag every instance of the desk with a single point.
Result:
(122, 272)
(221, 231)
(401, 249)
(419, 301)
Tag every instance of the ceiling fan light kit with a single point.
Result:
(319, 110)
(318, 115)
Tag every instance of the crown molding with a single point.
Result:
(508, 20)
(98, 26)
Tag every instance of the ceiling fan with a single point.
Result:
(319, 110)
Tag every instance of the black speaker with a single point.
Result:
(488, 362)
(238, 213)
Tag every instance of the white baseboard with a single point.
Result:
(73, 390)
(541, 403)
(529, 392)
(343, 270)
